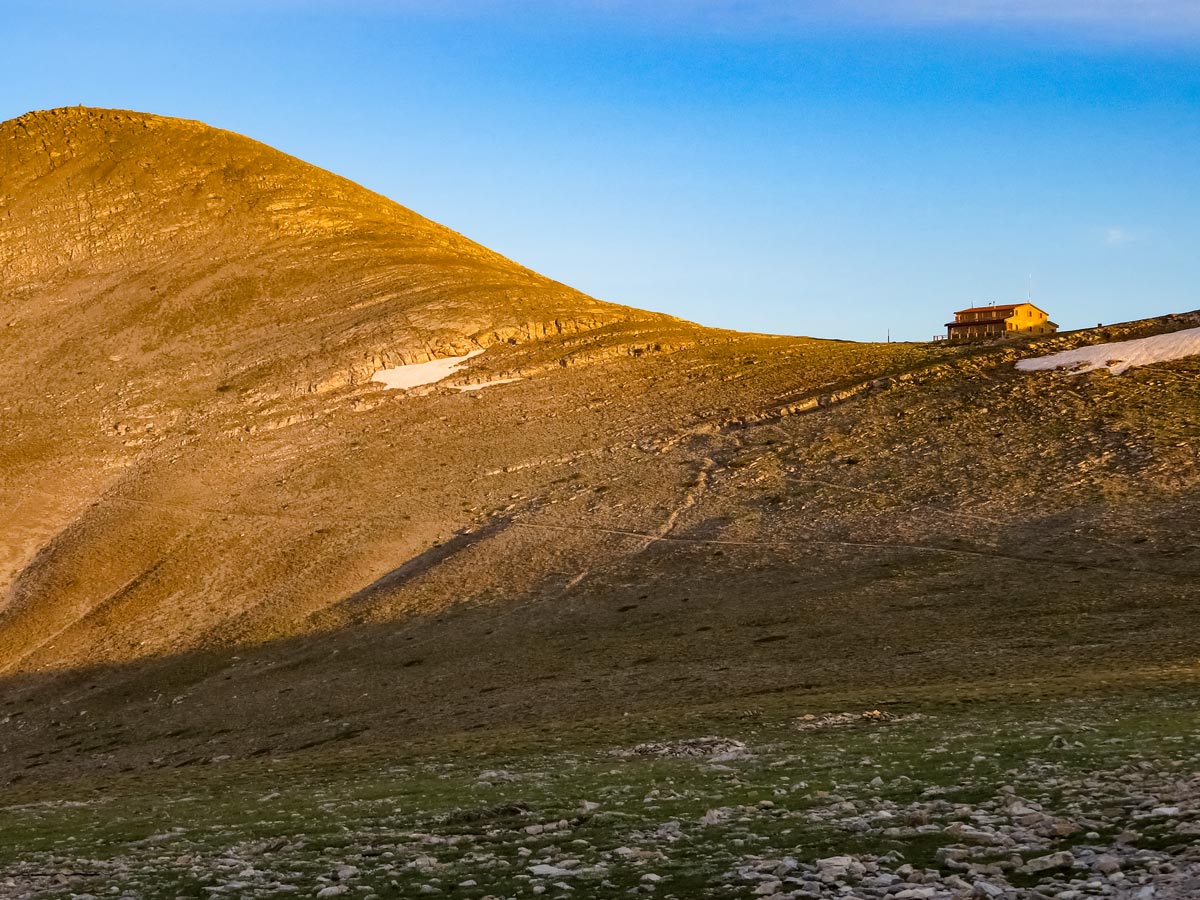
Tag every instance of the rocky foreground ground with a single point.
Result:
(1061, 798)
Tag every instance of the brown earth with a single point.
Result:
(218, 536)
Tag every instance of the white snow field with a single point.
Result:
(1120, 355)
(417, 374)
(483, 384)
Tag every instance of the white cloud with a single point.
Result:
(1111, 18)
(1142, 15)
(1127, 18)
(1115, 235)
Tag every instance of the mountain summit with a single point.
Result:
(177, 238)
(216, 523)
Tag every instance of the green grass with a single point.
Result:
(379, 809)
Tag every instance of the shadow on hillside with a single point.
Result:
(760, 622)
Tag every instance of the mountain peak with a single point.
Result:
(173, 238)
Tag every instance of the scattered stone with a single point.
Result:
(1060, 860)
(712, 748)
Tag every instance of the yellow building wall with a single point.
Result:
(1024, 319)
(1028, 319)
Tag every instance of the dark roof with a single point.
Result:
(988, 307)
(998, 306)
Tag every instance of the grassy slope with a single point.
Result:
(430, 815)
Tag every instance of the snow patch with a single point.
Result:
(417, 374)
(1120, 355)
(484, 384)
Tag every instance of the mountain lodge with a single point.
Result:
(997, 320)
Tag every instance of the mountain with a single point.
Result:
(169, 281)
(221, 536)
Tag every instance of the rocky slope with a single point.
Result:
(1066, 796)
(216, 524)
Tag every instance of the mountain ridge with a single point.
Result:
(237, 214)
(215, 521)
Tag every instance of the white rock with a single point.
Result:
(496, 776)
(716, 816)
(542, 870)
(835, 862)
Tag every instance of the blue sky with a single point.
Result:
(839, 169)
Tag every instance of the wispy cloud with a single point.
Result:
(1179, 19)
(1110, 18)
(1115, 235)
(1140, 15)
